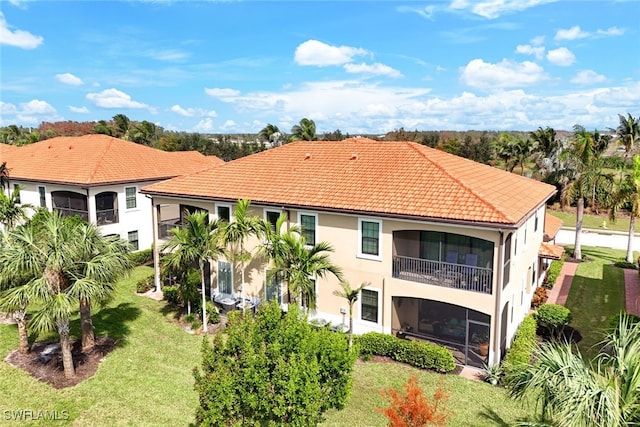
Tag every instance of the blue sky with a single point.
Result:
(359, 66)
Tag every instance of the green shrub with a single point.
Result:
(521, 351)
(424, 355)
(189, 318)
(213, 314)
(145, 284)
(539, 297)
(553, 273)
(614, 320)
(170, 294)
(623, 263)
(142, 257)
(553, 316)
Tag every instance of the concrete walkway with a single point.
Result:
(632, 291)
(560, 291)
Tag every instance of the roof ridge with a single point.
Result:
(102, 156)
(418, 149)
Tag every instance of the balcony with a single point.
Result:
(107, 216)
(445, 274)
(71, 212)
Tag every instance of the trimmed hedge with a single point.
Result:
(520, 353)
(554, 316)
(553, 273)
(424, 355)
(142, 257)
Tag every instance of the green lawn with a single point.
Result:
(147, 380)
(591, 221)
(597, 293)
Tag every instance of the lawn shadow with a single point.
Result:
(114, 321)
(172, 310)
(491, 415)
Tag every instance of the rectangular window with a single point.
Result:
(16, 189)
(507, 261)
(225, 278)
(369, 305)
(43, 196)
(130, 194)
(224, 213)
(308, 228)
(535, 223)
(370, 238)
(272, 218)
(133, 239)
(273, 288)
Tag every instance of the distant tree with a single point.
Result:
(304, 131)
(506, 149)
(628, 132)
(451, 145)
(628, 194)
(430, 139)
(103, 128)
(121, 126)
(336, 135)
(412, 408)
(272, 369)
(145, 133)
(267, 133)
(546, 141)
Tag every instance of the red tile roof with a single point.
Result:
(551, 251)
(362, 175)
(552, 225)
(99, 160)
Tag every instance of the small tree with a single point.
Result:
(351, 295)
(412, 408)
(272, 369)
(554, 317)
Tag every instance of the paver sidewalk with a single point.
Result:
(632, 291)
(560, 291)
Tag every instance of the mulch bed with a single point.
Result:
(44, 362)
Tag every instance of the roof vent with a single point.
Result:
(307, 156)
(354, 156)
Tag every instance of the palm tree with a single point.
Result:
(121, 123)
(629, 132)
(351, 295)
(300, 264)
(196, 243)
(522, 150)
(14, 300)
(270, 133)
(628, 193)
(65, 263)
(11, 210)
(4, 176)
(574, 392)
(235, 236)
(304, 131)
(546, 140)
(507, 151)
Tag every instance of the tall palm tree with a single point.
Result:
(4, 176)
(628, 193)
(546, 140)
(235, 236)
(121, 125)
(304, 131)
(573, 392)
(63, 268)
(300, 264)
(351, 295)
(629, 132)
(196, 243)
(269, 132)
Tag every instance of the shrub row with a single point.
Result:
(420, 354)
(142, 257)
(540, 297)
(521, 351)
(553, 273)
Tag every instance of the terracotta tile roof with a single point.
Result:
(5, 149)
(551, 251)
(552, 225)
(362, 175)
(100, 159)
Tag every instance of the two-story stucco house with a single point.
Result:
(97, 177)
(450, 249)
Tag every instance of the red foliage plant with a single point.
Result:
(412, 408)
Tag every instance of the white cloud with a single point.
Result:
(314, 52)
(228, 125)
(537, 41)
(586, 77)
(168, 55)
(504, 74)
(113, 98)
(425, 12)
(204, 126)
(526, 49)
(7, 109)
(492, 9)
(192, 112)
(561, 56)
(69, 79)
(18, 38)
(27, 113)
(79, 110)
(375, 69)
(612, 31)
(572, 33)
(221, 92)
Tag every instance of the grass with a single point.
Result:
(597, 293)
(591, 221)
(147, 380)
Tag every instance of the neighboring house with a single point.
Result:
(97, 177)
(450, 248)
